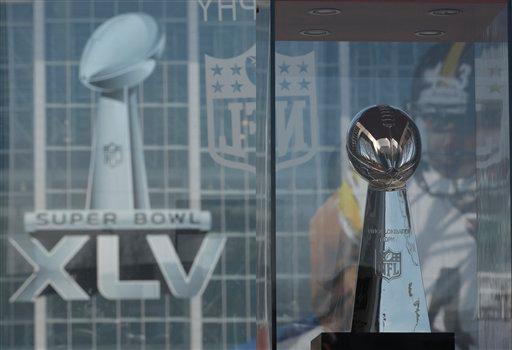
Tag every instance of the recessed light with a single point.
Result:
(315, 32)
(430, 33)
(445, 12)
(324, 11)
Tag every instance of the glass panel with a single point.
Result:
(263, 290)
(127, 130)
(494, 309)
(123, 173)
(456, 92)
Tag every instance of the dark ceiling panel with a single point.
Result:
(383, 20)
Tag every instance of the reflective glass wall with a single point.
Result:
(196, 105)
(457, 93)
(141, 233)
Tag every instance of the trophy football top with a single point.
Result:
(384, 146)
(121, 52)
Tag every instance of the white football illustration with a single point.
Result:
(121, 52)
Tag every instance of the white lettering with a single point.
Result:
(250, 6)
(293, 128)
(49, 269)
(181, 284)
(235, 149)
(205, 8)
(109, 283)
(140, 219)
(227, 5)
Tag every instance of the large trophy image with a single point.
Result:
(121, 53)
(116, 67)
(384, 147)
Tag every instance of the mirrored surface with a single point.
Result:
(457, 94)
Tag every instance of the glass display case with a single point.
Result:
(174, 174)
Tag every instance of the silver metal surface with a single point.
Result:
(384, 146)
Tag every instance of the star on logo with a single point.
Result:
(216, 70)
(283, 68)
(236, 86)
(303, 68)
(285, 85)
(235, 70)
(217, 87)
(304, 84)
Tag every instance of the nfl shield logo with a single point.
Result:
(391, 264)
(231, 107)
(112, 154)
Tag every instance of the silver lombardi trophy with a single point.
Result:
(383, 145)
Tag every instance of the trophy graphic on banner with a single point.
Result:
(118, 173)
(119, 56)
(390, 309)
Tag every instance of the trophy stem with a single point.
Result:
(141, 191)
(389, 291)
(117, 174)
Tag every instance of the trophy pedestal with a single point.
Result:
(384, 341)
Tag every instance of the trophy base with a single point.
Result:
(384, 341)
